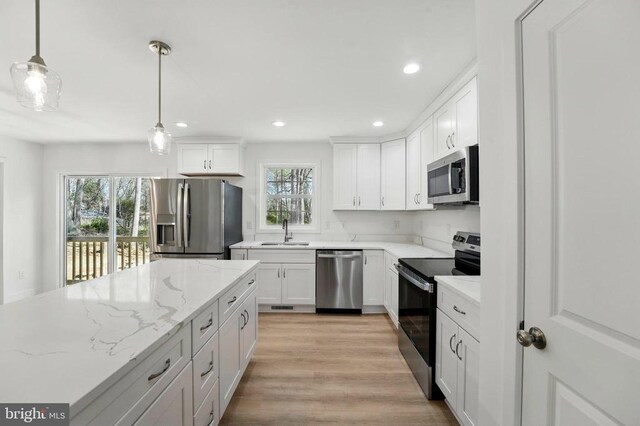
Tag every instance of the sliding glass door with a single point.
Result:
(106, 225)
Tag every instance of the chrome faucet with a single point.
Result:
(285, 225)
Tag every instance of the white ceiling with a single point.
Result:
(325, 67)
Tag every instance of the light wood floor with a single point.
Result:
(336, 369)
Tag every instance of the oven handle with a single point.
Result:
(423, 286)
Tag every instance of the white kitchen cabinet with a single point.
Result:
(456, 122)
(174, 406)
(368, 177)
(457, 367)
(391, 295)
(269, 283)
(231, 357)
(345, 169)
(210, 159)
(373, 278)
(249, 331)
(426, 156)
(238, 254)
(392, 175)
(356, 177)
(285, 277)
(298, 284)
(414, 171)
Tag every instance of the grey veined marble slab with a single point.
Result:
(60, 346)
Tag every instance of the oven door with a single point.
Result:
(416, 313)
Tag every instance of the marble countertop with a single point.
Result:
(397, 249)
(467, 286)
(59, 346)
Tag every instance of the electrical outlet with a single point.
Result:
(21, 274)
(396, 224)
(249, 224)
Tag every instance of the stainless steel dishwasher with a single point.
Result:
(339, 281)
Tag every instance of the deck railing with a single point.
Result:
(87, 256)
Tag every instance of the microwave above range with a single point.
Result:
(454, 179)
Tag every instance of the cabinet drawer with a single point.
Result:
(459, 309)
(129, 397)
(283, 256)
(204, 326)
(205, 370)
(209, 412)
(233, 297)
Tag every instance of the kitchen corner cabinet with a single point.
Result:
(356, 177)
(458, 364)
(419, 154)
(393, 175)
(456, 122)
(373, 278)
(199, 159)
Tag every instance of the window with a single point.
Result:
(288, 192)
(106, 227)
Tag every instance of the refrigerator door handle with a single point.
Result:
(185, 215)
(179, 215)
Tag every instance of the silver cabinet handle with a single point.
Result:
(244, 321)
(209, 370)
(354, 201)
(455, 308)
(457, 346)
(382, 201)
(167, 364)
(447, 141)
(338, 256)
(451, 343)
(232, 300)
(209, 324)
(210, 163)
(278, 272)
(452, 138)
(284, 273)
(247, 312)
(205, 164)
(243, 256)
(251, 282)
(365, 260)
(359, 200)
(419, 198)
(211, 417)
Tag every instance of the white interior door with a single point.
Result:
(581, 64)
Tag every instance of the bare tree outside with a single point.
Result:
(289, 195)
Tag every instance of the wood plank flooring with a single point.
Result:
(337, 369)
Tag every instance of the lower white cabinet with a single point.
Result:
(391, 294)
(373, 278)
(282, 282)
(209, 412)
(457, 368)
(238, 337)
(238, 254)
(174, 405)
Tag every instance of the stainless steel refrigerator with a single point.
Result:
(194, 217)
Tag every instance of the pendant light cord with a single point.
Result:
(37, 27)
(159, 83)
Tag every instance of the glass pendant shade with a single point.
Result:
(36, 86)
(159, 140)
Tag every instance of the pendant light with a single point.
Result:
(159, 138)
(36, 86)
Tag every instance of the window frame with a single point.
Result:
(261, 196)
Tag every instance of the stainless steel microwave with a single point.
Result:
(454, 178)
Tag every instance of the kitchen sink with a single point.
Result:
(288, 243)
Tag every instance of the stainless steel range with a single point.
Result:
(417, 305)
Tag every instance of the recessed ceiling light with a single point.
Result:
(182, 124)
(411, 68)
(378, 124)
(279, 123)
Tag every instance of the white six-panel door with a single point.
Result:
(581, 69)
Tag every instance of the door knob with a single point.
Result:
(534, 337)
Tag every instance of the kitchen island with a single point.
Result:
(114, 346)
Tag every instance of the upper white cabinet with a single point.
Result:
(356, 177)
(456, 122)
(419, 154)
(392, 175)
(210, 159)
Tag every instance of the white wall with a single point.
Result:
(334, 225)
(499, 355)
(22, 222)
(437, 228)
(61, 159)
